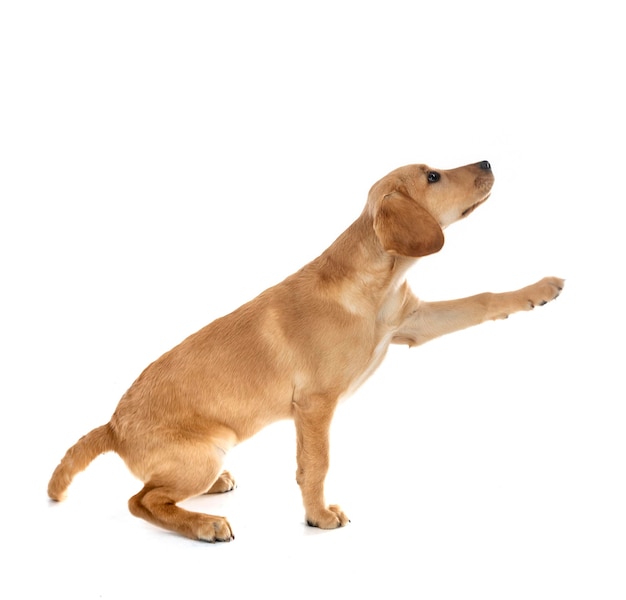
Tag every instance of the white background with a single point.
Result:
(163, 162)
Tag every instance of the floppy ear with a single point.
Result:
(405, 228)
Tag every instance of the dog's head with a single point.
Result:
(412, 205)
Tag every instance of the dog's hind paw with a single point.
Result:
(213, 529)
(224, 483)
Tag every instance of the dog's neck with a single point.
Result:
(357, 264)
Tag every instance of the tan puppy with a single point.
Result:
(292, 353)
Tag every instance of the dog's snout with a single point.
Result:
(485, 165)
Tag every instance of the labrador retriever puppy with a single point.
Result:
(293, 353)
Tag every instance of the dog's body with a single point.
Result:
(294, 352)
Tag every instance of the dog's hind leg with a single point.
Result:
(157, 505)
(186, 470)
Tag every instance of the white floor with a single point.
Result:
(162, 163)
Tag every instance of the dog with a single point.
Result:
(294, 352)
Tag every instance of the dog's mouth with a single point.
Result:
(474, 206)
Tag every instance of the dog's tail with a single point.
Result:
(78, 457)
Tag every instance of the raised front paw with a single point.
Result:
(328, 518)
(543, 291)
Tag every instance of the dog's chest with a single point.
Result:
(375, 360)
(385, 321)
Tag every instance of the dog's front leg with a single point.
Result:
(433, 319)
(312, 417)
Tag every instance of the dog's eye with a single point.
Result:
(433, 176)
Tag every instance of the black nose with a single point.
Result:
(484, 165)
